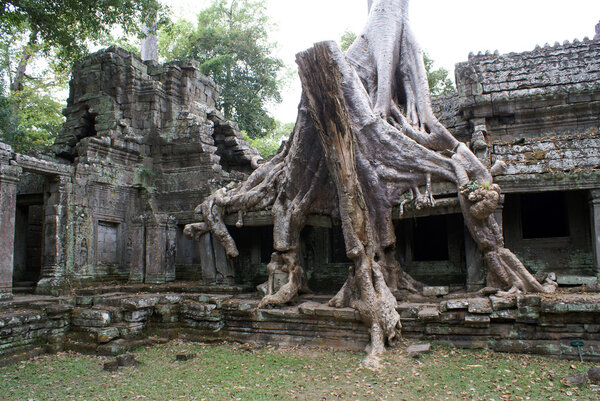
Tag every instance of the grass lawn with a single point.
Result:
(232, 372)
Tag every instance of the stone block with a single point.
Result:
(477, 320)
(114, 347)
(140, 315)
(499, 303)
(528, 300)
(111, 366)
(435, 291)
(563, 279)
(415, 351)
(429, 314)
(456, 304)
(105, 334)
(480, 306)
(139, 303)
(127, 360)
(90, 317)
(185, 357)
(504, 314)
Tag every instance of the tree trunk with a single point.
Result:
(366, 140)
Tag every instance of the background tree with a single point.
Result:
(348, 37)
(39, 40)
(232, 45)
(438, 80)
(269, 144)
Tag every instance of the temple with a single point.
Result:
(143, 145)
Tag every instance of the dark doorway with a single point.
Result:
(28, 242)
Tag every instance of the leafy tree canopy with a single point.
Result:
(232, 45)
(39, 40)
(439, 82)
(269, 144)
(68, 25)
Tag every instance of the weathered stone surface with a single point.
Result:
(127, 360)
(563, 279)
(576, 380)
(456, 304)
(435, 291)
(111, 366)
(185, 357)
(499, 303)
(90, 317)
(428, 314)
(480, 306)
(415, 351)
(477, 320)
(594, 375)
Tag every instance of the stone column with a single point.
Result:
(476, 273)
(56, 207)
(160, 249)
(137, 241)
(595, 227)
(498, 213)
(9, 177)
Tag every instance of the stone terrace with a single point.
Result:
(112, 320)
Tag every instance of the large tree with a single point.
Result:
(39, 40)
(232, 45)
(365, 141)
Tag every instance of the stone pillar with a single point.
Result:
(9, 177)
(216, 266)
(498, 214)
(476, 272)
(137, 241)
(595, 227)
(56, 206)
(160, 244)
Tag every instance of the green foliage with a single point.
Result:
(269, 144)
(39, 40)
(68, 25)
(39, 120)
(348, 37)
(232, 45)
(439, 83)
(473, 185)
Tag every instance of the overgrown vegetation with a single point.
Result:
(39, 41)
(269, 144)
(231, 42)
(232, 372)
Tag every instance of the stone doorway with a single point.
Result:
(28, 244)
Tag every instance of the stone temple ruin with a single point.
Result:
(93, 252)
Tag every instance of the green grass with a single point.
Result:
(230, 372)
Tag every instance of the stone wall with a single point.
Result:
(552, 89)
(115, 321)
(141, 147)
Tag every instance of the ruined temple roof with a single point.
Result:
(568, 67)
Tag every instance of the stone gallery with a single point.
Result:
(151, 213)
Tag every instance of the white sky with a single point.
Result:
(447, 30)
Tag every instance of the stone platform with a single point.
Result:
(112, 320)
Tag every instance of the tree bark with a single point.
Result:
(366, 140)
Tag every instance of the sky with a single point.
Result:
(447, 30)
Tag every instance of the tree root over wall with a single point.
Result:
(365, 137)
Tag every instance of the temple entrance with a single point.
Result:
(29, 217)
